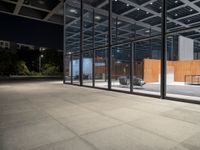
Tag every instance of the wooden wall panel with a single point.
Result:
(180, 69)
(151, 70)
(183, 68)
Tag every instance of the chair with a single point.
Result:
(123, 80)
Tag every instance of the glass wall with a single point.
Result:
(88, 68)
(118, 45)
(121, 64)
(72, 27)
(101, 68)
(67, 69)
(147, 66)
(75, 68)
(183, 62)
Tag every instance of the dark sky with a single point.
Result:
(28, 31)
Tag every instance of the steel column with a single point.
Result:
(163, 50)
(93, 60)
(110, 47)
(131, 66)
(81, 46)
(71, 65)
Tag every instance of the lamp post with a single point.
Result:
(40, 62)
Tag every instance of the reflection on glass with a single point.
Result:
(101, 30)
(72, 27)
(183, 59)
(121, 67)
(147, 66)
(101, 79)
(75, 69)
(88, 30)
(67, 69)
(87, 68)
(183, 67)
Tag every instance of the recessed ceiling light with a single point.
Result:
(151, 3)
(191, 10)
(127, 5)
(26, 2)
(160, 7)
(115, 0)
(118, 62)
(41, 1)
(176, 14)
(73, 11)
(176, 1)
(119, 22)
(138, 8)
(147, 31)
(97, 17)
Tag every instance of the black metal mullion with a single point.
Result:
(133, 57)
(131, 66)
(150, 42)
(116, 30)
(93, 60)
(81, 46)
(110, 45)
(163, 50)
(71, 65)
(64, 47)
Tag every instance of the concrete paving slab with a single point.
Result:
(193, 142)
(34, 135)
(128, 138)
(191, 116)
(73, 144)
(126, 114)
(90, 122)
(172, 129)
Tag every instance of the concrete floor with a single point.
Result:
(53, 116)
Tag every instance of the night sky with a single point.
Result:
(28, 31)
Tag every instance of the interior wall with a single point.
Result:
(180, 69)
(186, 48)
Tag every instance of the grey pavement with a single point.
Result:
(53, 116)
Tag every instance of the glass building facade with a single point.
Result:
(148, 47)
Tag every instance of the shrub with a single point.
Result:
(22, 69)
(49, 69)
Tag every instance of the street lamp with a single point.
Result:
(40, 62)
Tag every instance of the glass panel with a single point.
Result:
(98, 8)
(88, 30)
(183, 71)
(75, 69)
(72, 26)
(87, 68)
(183, 66)
(67, 69)
(101, 78)
(135, 19)
(182, 14)
(147, 66)
(101, 30)
(122, 31)
(121, 67)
